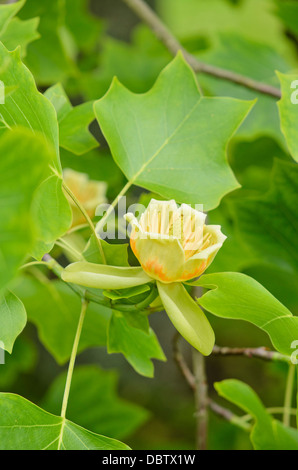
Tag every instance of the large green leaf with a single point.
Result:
(267, 433)
(187, 317)
(237, 296)
(73, 121)
(137, 346)
(145, 55)
(288, 109)
(21, 152)
(25, 426)
(13, 319)
(55, 310)
(110, 415)
(268, 224)
(25, 106)
(186, 158)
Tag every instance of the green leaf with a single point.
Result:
(74, 134)
(55, 310)
(21, 361)
(7, 12)
(267, 433)
(13, 319)
(55, 220)
(288, 110)
(145, 55)
(101, 276)
(138, 320)
(21, 151)
(268, 224)
(29, 108)
(237, 296)
(186, 159)
(115, 254)
(110, 415)
(39, 115)
(187, 317)
(49, 58)
(126, 293)
(84, 27)
(20, 33)
(25, 426)
(137, 346)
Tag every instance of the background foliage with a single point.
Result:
(67, 55)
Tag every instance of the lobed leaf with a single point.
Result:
(186, 159)
(25, 426)
(111, 415)
(74, 134)
(137, 346)
(267, 433)
(237, 296)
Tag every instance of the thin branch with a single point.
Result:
(229, 416)
(145, 13)
(201, 399)
(181, 364)
(260, 353)
(191, 381)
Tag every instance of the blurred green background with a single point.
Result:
(83, 45)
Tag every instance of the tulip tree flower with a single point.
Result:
(89, 193)
(173, 245)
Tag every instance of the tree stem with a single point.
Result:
(201, 399)
(143, 11)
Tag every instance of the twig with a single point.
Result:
(201, 399)
(190, 380)
(145, 13)
(228, 415)
(181, 364)
(261, 353)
